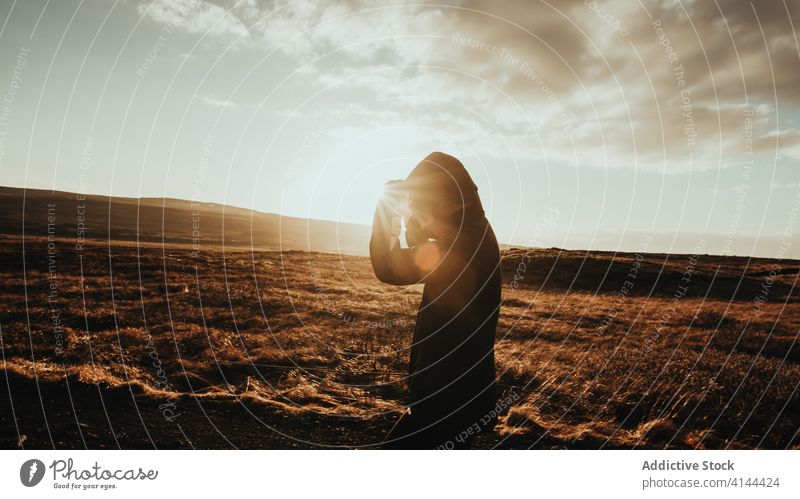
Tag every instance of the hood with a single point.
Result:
(441, 179)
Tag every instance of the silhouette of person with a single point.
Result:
(452, 249)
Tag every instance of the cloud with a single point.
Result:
(786, 141)
(785, 185)
(672, 86)
(217, 102)
(195, 16)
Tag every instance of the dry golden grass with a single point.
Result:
(311, 348)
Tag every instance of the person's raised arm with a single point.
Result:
(391, 263)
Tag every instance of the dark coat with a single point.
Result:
(452, 370)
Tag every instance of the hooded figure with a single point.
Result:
(453, 251)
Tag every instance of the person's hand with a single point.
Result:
(392, 196)
(414, 234)
(397, 227)
(404, 207)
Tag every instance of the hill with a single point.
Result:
(170, 221)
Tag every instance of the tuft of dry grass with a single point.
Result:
(299, 336)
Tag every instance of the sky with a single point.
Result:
(669, 126)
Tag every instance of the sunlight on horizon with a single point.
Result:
(312, 123)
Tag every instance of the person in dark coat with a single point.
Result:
(452, 249)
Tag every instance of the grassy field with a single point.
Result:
(141, 347)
